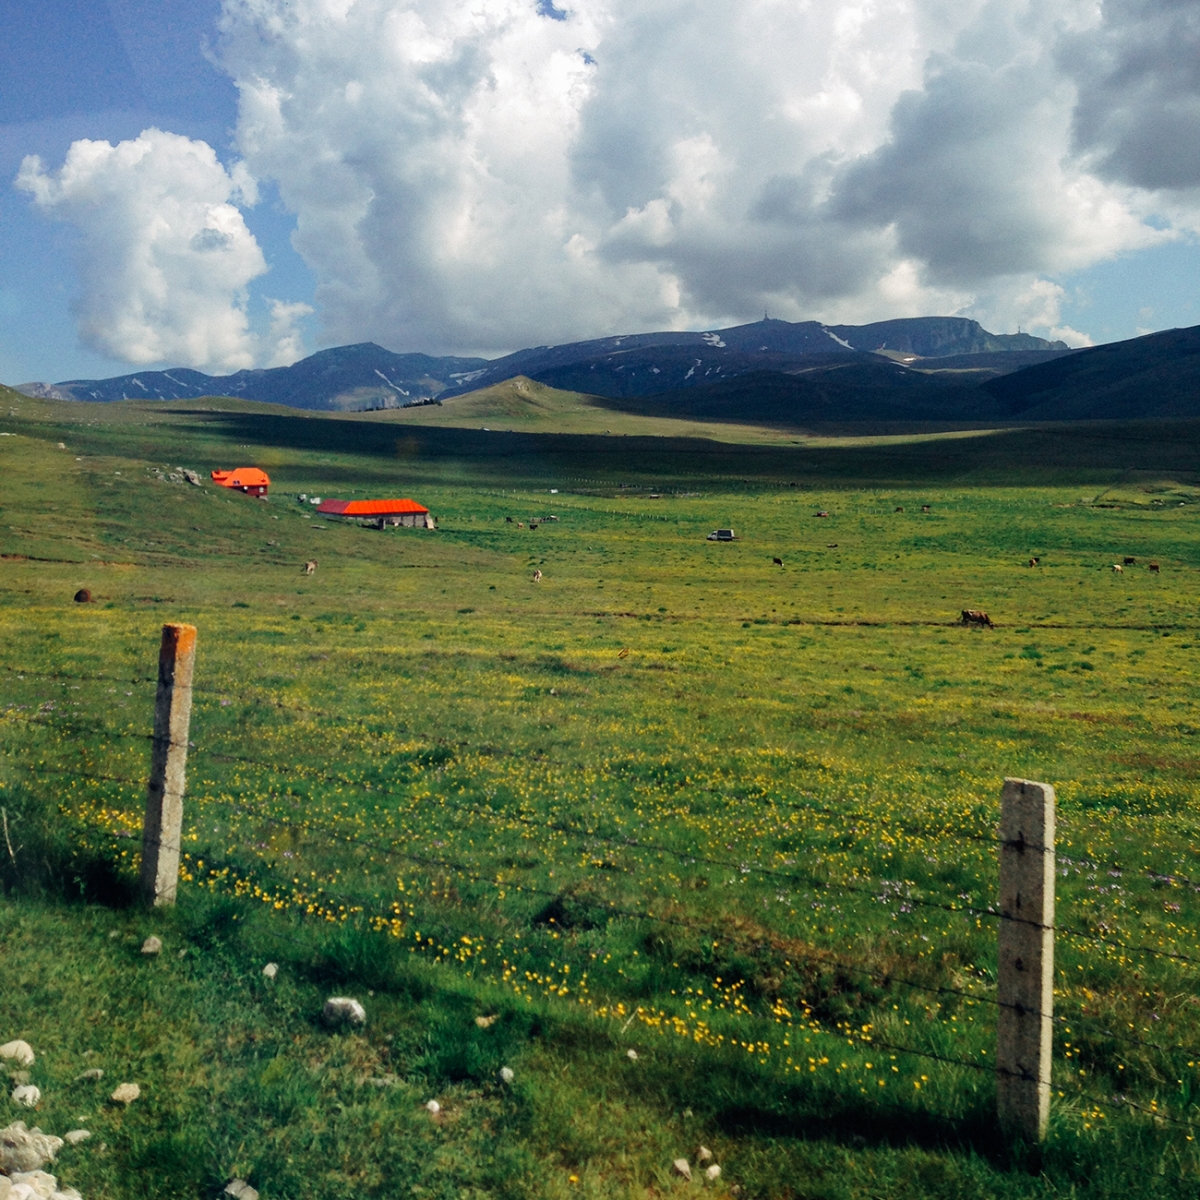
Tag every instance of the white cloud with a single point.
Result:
(490, 173)
(487, 174)
(164, 255)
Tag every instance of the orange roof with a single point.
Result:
(369, 508)
(241, 477)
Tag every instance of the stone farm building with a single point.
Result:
(379, 512)
(250, 480)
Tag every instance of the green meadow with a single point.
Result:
(699, 846)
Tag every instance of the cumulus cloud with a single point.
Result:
(489, 173)
(486, 174)
(1138, 76)
(164, 255)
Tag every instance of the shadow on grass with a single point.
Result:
(41, 859)
(1058, 453)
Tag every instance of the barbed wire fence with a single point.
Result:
(861, 886)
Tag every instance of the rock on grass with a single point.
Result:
(126, 1093)
(24, 1149)
(21, 1052)
(341, 1010)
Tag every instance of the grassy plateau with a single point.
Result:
(702, 848)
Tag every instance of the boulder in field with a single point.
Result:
(126, 1093)
(342, 1010)
(27, 1094)
(24, 1149)
(21, 1052)
(40, 1184)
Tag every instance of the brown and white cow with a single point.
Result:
(976, 617)
(310, 566)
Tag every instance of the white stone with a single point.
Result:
(90, 1073)
(632, 1055)
(239, 1189)
(5, 1187)
(713, 1172)
(43, 1185)
(704, 1154)
(76, 1136)
(152, 945)
(506, 1074)
(22, 1191)
(66, 1194)
(486, 1022)
(24, 1149)
(682, 1168)
(341, 1010)
(271, 970)
(126, 1093)
(433, 1106)
(27, 1094)
(19, 1050)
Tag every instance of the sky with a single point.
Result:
(223, 184)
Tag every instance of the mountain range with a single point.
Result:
(366, 376)
(929, 369)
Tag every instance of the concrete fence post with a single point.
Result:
(163, 825)
(1025, 954)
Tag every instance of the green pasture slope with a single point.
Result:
(705, 842)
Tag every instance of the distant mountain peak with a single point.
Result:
(365, 375)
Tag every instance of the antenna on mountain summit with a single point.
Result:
(765, 317)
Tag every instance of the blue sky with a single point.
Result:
(474, 177)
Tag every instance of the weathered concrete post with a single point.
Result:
(1025, 955)
(168, 759)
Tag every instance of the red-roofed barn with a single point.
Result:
(250, 480)
(381, 512)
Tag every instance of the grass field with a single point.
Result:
(672, 799)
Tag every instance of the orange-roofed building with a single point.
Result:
(380, 512)
(250, 480)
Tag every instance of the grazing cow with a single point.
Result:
(1033, 562)
(310, 566)
(1152, 568)
(977, 617)
(1129, 560)
(83, 596)
(1118, 569)
(831, 545)
(822, 513)
(508, 519)
(777, 561)
(899, 507)
(532, 524)
(520, 524)
(537, 576)
(925, 508)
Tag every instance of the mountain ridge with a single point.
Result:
(365, 375)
